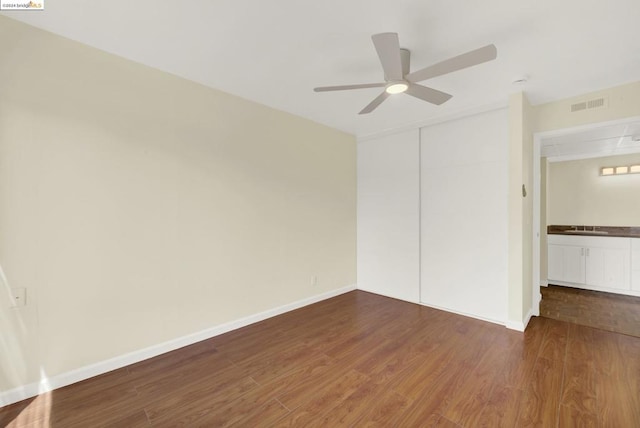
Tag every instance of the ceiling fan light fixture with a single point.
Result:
(396, 88)
(398, 78)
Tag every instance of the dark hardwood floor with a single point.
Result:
(364, 360)
(606, 311)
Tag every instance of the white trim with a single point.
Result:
(535, 239)
(433, 120)
(440, 308)
(519, 325)
(586, 127)
(618, 152)
(388, 295)
(544, 283)
(47, 384)
(625, 292)
(464, 314)
(419, 215)
(535, 305)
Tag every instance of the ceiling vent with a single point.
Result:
(601, 102)
(578, 106)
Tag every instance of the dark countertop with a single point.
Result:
(615, 231)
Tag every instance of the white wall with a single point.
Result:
(464, 215)
(577, 194)
(137, 207)
(388, 215)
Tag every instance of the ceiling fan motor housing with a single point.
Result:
(405, 58)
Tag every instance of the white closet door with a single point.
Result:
(464, 215)
(388, 215)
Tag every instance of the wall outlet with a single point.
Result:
(314, 281)
(19, 297)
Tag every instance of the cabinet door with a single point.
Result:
(595, 266)
(573, 260)
(608, 267)
(616, 269)
(555, 264)
(635, 265)
(566, 263)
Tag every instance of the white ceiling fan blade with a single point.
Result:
(388, 48)
(375, 103)
(347, 87)
(429, 95)
(456, 63)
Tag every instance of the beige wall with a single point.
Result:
(520, 208)
(579, 195)
(623, 102)
(527, 204)
(137, 207)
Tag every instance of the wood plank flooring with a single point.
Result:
(606, 311)
(367, 361)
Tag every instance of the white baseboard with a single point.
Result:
(31, 390)
(465, 314)
(544, 283)
(535, 308)
(594, 288)
(376, 292)
(520, 325)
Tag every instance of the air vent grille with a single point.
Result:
(578, 106)
(598, 102)
(590, 104)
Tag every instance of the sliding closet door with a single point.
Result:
(464, 215)
(388, 215)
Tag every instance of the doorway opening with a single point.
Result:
(553, 150)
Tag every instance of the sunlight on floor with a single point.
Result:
(35, 414)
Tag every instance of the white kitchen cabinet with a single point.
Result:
(592, 262)
(567, 263)
(635, 265)
(607, 267)
(574, 264)
(555, 265)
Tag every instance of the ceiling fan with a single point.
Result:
(398, 79)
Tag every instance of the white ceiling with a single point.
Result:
(275, 52)
(606, 140)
